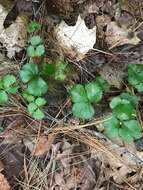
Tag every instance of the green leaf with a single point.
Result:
(111, 127)
(60, 71)
(35, 40)
(38, 114)
(125, 134)
(40, 50)
(12, 90)
(124, 111)
(3, 97)
(102, 83)
(28, 97)
(134, 128)
(49, 69)
(8, 80)
(115, 101)
(28, 71)
(33, 26)
(40, 102)
(83, 110)
(94, 92)
(134, 100)
(37, 87)
(78, 94)
(32, 107)
(135, 76)
(31, 51)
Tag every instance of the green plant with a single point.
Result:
(135, 76)
(35, 105)
(33, 26)
(35, 108)
(83, 96)
(7, 86)
(36, 48)
(57, 69)
(122, 122)
(36, 85)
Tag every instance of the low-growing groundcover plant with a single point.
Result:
(30, 75)
(36, 48)
(7, 86)
(35, 105)
(83, 96)
(122, 122)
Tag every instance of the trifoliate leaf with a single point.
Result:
(40, 102)
(35, 40)
(28, 71)
(94, 92)
(111, 127)
(78, 94)
(8, 80)
(83, 110)
(40, 50)
(37, 87)
(38, 114)
(3, 97)
(32, 107)
(31, 51)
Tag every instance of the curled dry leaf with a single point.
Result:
(117, 36)
(4, 185)
(75, 40)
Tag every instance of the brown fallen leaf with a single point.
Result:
(117, 36)
(4, 185)
(43, 145)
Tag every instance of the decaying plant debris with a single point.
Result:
(61, 152)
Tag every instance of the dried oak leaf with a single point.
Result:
(117, 36)
(75, 40)
(4, 185)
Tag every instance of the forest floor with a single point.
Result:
(67, 149)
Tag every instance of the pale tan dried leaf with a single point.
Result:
(4, 185)
(117, 36)
(76, 40)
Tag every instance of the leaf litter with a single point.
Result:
(61, 152)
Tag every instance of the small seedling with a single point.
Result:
(122, 122)
(83, 96)
(35, 108)
(36, 85)
(33, 26)
(7, 86)
(57, 69)
(36, 48)
(135, 76)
